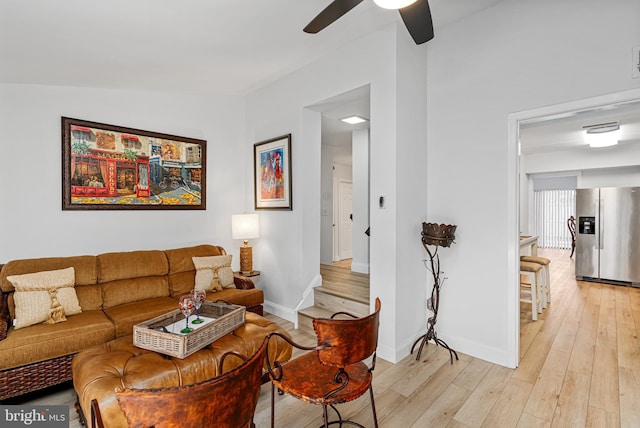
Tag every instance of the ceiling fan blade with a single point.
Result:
(417, 19)
(330, 14)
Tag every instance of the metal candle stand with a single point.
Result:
(437, 235)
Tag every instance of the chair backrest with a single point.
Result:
(228, 400)
(571, 224)
(348, 340)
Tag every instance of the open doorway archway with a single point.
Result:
(517, 187)
(345, 159)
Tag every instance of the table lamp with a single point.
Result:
(245, 227)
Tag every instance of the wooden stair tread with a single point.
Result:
(341, 291)
(346, 294)
(316, 312)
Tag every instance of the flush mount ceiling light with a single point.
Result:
(602, 134)
(394, 4)
(353, 120)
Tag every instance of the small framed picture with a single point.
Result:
(272, 173)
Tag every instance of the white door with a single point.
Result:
(346, 221)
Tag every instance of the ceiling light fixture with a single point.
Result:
(602, 134)
(394, 4)
(353, 120)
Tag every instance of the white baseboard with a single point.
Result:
(279, 310)
(360, 267)
(475, 349)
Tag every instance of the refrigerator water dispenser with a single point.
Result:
(587, 225)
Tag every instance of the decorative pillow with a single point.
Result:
(225, 276)
(212, 273)
(44, 297)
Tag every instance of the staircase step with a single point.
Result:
(348, 291)
(335, 301)
(306, 316)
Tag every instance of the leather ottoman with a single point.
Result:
(99, 371)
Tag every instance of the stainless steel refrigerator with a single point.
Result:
(608, 234)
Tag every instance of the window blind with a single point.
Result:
(552, 209)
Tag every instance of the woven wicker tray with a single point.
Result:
(155, 334)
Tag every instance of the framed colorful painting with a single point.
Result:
(107, 167)
(272, 169)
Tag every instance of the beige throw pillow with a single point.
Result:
(213, 273)
(225, 275)
(44, 297)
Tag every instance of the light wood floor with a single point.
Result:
(346, 263)
(580, 367)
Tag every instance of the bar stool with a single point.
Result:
(532, 270)
(545, 263)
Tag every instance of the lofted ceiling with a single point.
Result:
(223, 47)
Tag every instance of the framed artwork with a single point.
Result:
(107, 167)
(272, 173)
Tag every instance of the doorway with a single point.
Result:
(594, 109)
(345, 180)
(345, 220)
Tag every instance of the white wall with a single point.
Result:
(610, 177)
(517, 55)
(412, 187)
(33, 223)
(360, 155)
(326, 205)
(289, 258)
(622, 155)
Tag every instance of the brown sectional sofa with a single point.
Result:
(115, 291)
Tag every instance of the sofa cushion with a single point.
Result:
(84, 266)
(131, 264)
(44, 297)
(182, 272)
(248, 298)
(180, 259)
(89, 297)
(42, 342)
(86, 277)
(125, 316)
(116, 293)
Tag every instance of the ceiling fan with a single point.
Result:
(415, 14)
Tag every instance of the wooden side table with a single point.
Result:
(250, 274)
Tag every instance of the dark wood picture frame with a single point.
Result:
(108, 167)
(272, 174)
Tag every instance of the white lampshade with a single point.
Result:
(394, 4)
(245, 226)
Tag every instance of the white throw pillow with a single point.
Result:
(44, 297)
(213, 273)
